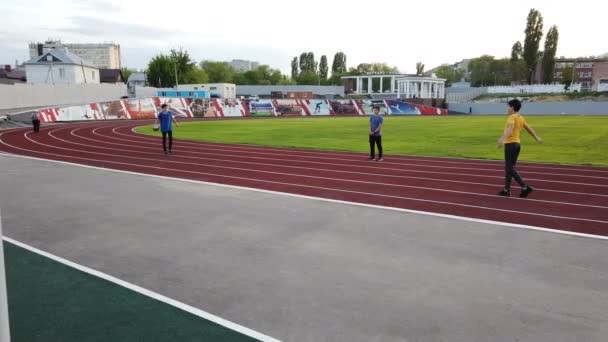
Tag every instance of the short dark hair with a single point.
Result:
(376, 107)
(164, 105)
(515, 104)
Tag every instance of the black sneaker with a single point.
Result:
(170, 152)
(505, 193)
(166, 153)
(379, 159)
(526, 191)
(371, 159)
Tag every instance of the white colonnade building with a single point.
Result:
(397, 85)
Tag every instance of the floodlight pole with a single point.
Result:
(175, 68)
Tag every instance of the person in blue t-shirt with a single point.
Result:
(165, 118)
(376, 122)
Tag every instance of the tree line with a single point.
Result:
(305, 70)
(164, 70)
(482, 71)
(521, 66)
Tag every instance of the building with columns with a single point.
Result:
(420, 87)
(397, 85)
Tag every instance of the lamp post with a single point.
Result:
(175, 69)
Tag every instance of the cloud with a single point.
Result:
(139, 56)
(97, 27)
(97, 6)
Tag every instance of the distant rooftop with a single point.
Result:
(59, 42)
(10, 75)
(137, 77)
(601, 58)
(60, 56)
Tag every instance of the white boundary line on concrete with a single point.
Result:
(410, 211)
(146, 292)
(5, 331)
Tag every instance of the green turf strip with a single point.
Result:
(568, 139)
(49, 301)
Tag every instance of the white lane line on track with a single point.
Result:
(148, 293)
(401, 157)
(329, 200)
(287, 154)
(307, 186)
(379, 169)
(436, 159)
(75, 131)
(72, 132)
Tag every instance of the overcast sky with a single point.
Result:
(397, 32)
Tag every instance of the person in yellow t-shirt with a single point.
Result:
(511, 140)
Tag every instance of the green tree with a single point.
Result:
(198, 76)
(569, 75)
(449, 73)
(308, 78)
(501, 71)
(164, 69)
(517, 51)
(518, 65)
(287, 81)
(534, 33)
(336, 78)
(252, 77)
(303, 60)
(183, 63)
(368, 68)
(323, 69)
(549, 54)
(314, 66)
(276, 76)
(160, 72)
(294, 68)
(262, 75)
(307, 62)
(338, 65)
(486, 70)
(419, 68)
(240, 79)
(219, 72)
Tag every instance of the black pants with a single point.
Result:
(170, 134)
(36, 124)
(511, 155)
(373, 141)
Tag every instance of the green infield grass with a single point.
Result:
(567, 139)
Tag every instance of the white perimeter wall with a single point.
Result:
(142, 92)
(45, 95)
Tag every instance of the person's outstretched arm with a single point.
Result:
(533, 133)
(173, 118)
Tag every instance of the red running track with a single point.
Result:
(568, 198)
